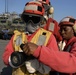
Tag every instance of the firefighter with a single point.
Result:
(49, 10)
(52, 24)
(33, 16)
(61, 61)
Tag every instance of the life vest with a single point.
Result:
(19, 38)
(40, 38)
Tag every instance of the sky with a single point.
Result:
(62, 8)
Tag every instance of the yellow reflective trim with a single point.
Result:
(24, 39)
(40, 31)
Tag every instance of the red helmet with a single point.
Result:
(47, 5)
(34, 7)
(34, 12)
(45, 1)
(68, 21)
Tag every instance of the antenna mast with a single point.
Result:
(6, 6)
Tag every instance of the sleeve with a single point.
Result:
(33, 65)
(8, 51)
(52, 43)
(58, 60)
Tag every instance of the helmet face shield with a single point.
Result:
(35, 19)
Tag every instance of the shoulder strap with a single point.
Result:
(19, 38)
(41, 37)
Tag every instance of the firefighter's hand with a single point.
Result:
(29, 48)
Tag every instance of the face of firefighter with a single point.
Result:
(31, 27)
(66, 32)
(33, 22)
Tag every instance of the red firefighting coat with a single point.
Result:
(9, 48)
(61, 61)
(52, 25)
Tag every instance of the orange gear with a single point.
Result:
(52, 25)
(45, 1)
(67, 21)
(34, 7)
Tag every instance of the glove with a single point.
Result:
(29, 48)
